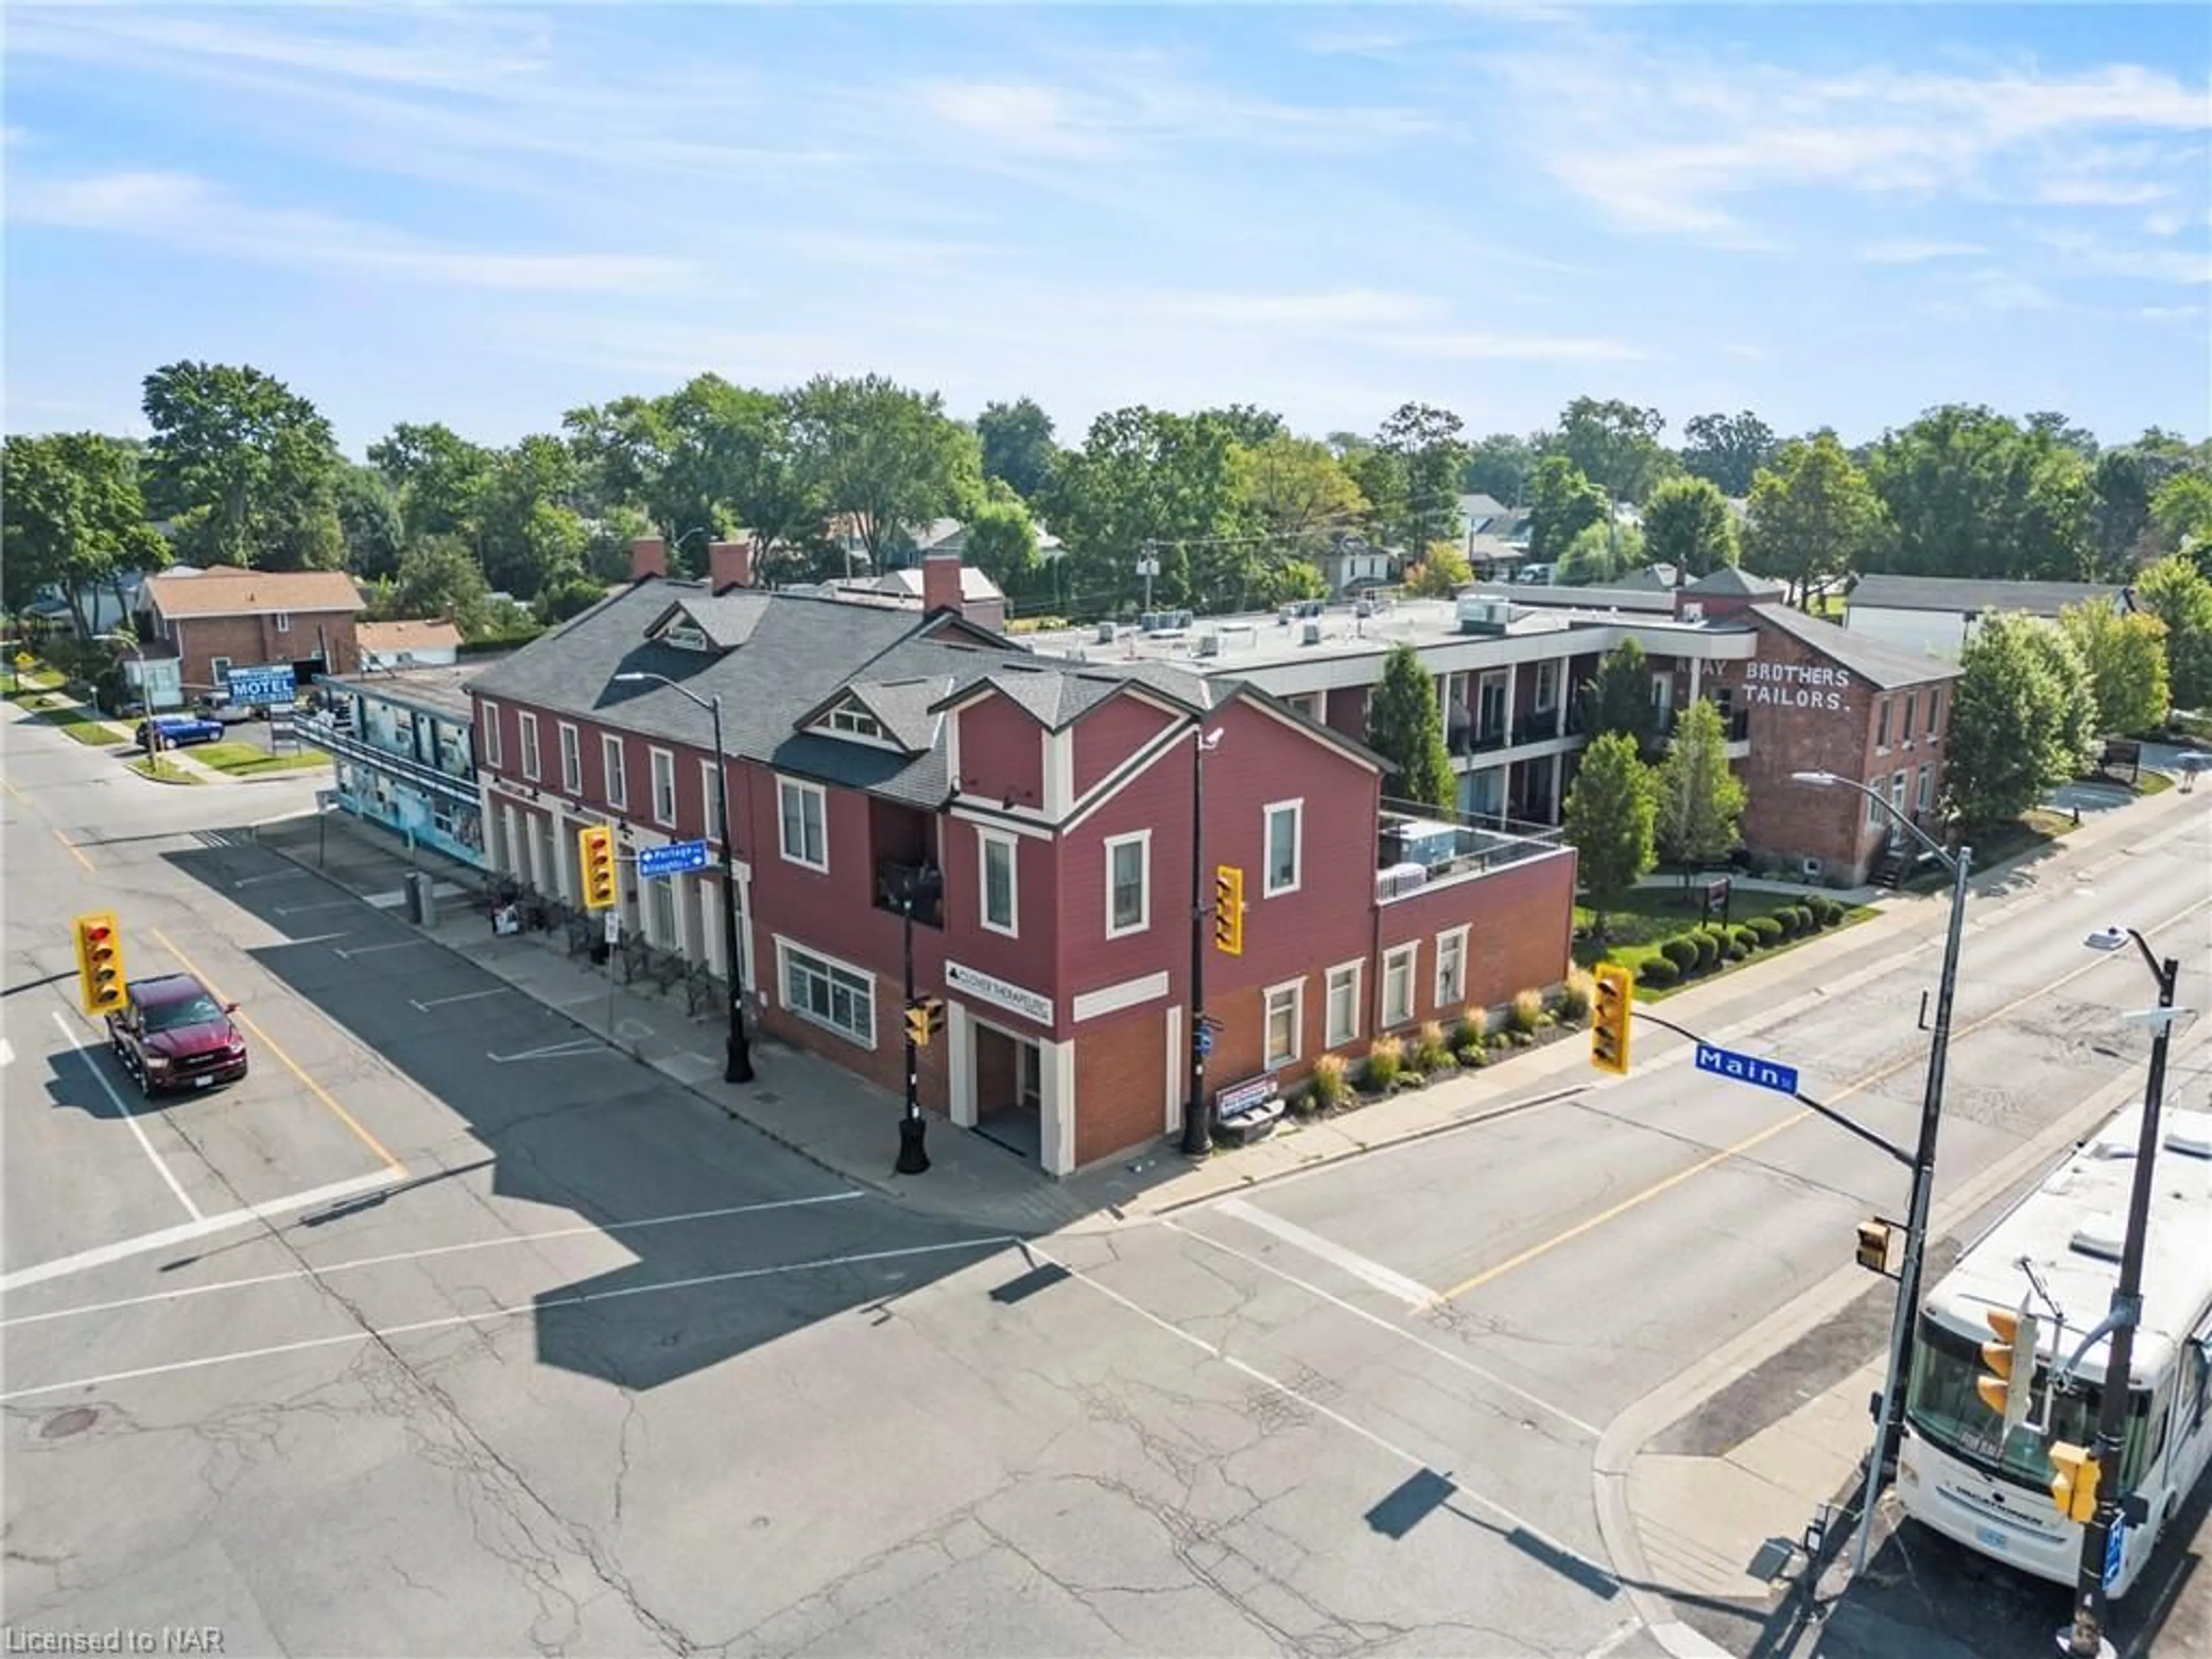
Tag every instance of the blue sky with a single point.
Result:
(1833, 215)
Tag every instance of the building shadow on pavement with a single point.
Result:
(735, 1241)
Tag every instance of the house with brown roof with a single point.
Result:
(226, 616)
(411, 643)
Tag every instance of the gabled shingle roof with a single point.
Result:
(226, 591)
(1728, 578)
(1973, 593)
(1884, 666)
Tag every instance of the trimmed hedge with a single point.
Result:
(1709, 949)
(1742, 939)
(1827, 911)
(1682, 951)
(1658, 971)
(1765, 929)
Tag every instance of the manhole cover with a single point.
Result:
(61, 1425)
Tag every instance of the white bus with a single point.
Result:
(1958, 1471)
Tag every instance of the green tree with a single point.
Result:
(1687, 524)
(1297, 493)
(75, 519)
(2181, 515)
(1615, 444)
(1442, 572)
(440, 477)
(1814, 515)
(525, 534)
(242, 467)
(887, 456)
(2125, 655)
(1600, 553)
(1562, 504)
(1016, 440)
(569, 594)
(2022, 719)
(439, 576)
(2179, 595)
(2119, 513)
(1143, 477)
(1500, 467)
(1699, 802)
(1974, 494)
(1728, 451)
(1610, 819)
(1002, 538)
(1250, 425)
(370, 521)
(1405, 726)
(1618, 697)
(1426, 444)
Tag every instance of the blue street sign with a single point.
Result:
(2115, 1544)
(672, 860)
(268, 682)
(1205, 1041)
(1747, 1068)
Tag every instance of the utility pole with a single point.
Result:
(1148, 566)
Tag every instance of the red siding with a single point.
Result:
(1030, 960)
(1121, 1082)
(1110, 733)
(1001, 752)
(1157, 799)
(1519, 920)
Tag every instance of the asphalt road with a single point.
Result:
(525, 1347)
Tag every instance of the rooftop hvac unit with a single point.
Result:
(1312, 633)
(1209, 644)
(1105, 634)
(1481, 616)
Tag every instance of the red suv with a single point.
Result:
(171, 1033)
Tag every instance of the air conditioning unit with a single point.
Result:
(1105, 635)
(1209, 644)
(1311, 634)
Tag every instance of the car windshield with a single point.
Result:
(200, 1010)
(1941, 1402)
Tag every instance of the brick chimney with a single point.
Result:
(648, 556)
(729, 564)
(941, 583)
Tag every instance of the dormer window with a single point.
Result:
(684, 637)
(858, 722)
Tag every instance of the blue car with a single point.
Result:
(178, 730)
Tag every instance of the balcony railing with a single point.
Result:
(926, 882)
(1560, 722)
(332, 738)
(1418, 849)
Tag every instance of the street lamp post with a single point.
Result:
(913, 1129)
(1197, 1133)
(737, 1050)
(1886, 1412)
(2084, 1638)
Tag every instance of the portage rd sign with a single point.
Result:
(1747, 1068)
(676, 859)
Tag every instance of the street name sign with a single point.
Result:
(1747, 1068)
(673, 860)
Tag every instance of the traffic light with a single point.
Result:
(1228, 910)
(925, 1018)
(99, 962)
(2074, 1475)
(2007, 1384)
(1872, 1250)
(595, 851)
(1609, 1016)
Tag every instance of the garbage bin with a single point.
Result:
(422, 899)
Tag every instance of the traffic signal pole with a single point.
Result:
(1197, 1134)
(913, 1154)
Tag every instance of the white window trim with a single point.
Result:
(613, 764)
(282, 621)
(985, 841)
(1358, 970)
(526, 730)
(572, 758)
(1143, 840)
(1297, 809)
(491, 752)
(656, 759)
(1411, 952)
(711, 783)
(1297, 987)
(1458, 997)
(785, 950)
(822, 802)
(1881, 724)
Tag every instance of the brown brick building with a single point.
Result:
(224, 618)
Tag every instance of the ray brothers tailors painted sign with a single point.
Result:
(1818, 687)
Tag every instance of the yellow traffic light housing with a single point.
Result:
(99, 962)
(1610, 1013)
(2074, 1475)
(595, 852)
(925, 1018)
(1872, 1250)
(2007, 1384)
(1228, 910)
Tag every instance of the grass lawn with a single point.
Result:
(2154, 783)
(243, 760)
(1652, 914)
(74, 720)
(144, 765)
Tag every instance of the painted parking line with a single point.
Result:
(465, 996)
(122, 1107)
(512, 1310)
(580, 1230)
(371, 950)
(574, 1048)
(101, 1256)
(1415, 1296)
(320, 1093)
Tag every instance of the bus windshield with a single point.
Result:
(1941, 1403)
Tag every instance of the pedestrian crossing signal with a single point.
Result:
(1611, 1007)
(98, 963)
(595, 852)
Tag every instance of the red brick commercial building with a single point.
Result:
(224, 618)
(1050, 804)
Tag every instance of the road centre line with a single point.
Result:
(290, 1064)
(1598, 1570)
(385, 1260)
(1634, 1201)
(76, 852)
(488, 1316)
(115, 1095)
(1414, 1296)
(1398, 1331)
(101, 1256)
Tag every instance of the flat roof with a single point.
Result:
(441, 688)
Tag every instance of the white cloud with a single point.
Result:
(1913, 253)
(1474, 346)
(2170, 313)
(2090, 192)
(185, 211)
(2101, 255)
(1343, 309)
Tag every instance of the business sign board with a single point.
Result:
(269, 683)
(1747, 1068)
(1238, 1097)
(1002, 994)
(673, 860)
